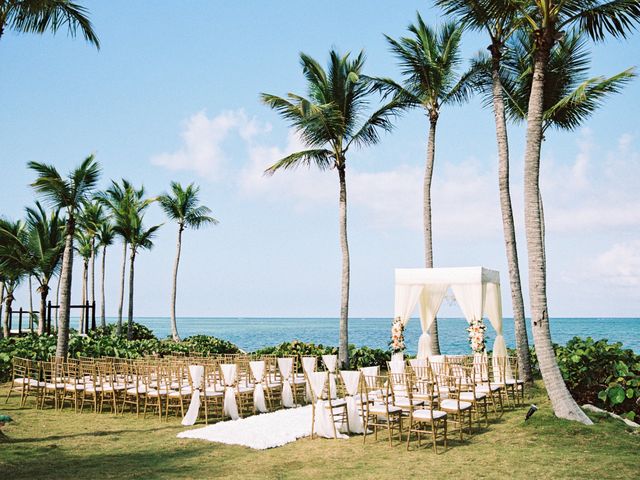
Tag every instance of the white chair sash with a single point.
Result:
(285, 365)
(197, 373)
(351, 379)
(331, 362)
(230, 406)
(257, 370)
(308, 365)
(396, 366)
(323, 420)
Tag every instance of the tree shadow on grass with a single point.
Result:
(52, 462)
(97, 433)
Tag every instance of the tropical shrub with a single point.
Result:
(602, 373)
(366, 356)
(296, 347)
(140, 332)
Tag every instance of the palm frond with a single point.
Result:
(320, 157)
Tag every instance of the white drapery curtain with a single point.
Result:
(493, 310)
(230, 406)
(406, 299)
(197, 375)
(351, 380)
(257, 370)
(429, 302)
(323, 419)
(285, 365)
(470, 297)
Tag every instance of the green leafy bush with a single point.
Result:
(139, 331)
(601, 373)
(102, 343)
(366, 356)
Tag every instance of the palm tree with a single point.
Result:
(181, 206)
(91, 219)
(139, 238)
(120, 200)
(473, 15)
(45, 245)
(14, 266)
(68, 194)
(106, 236)
(40, 16)
(83, 247)
(430, 62)
(546, 21)
(330, 120)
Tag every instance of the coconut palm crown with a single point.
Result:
(40, 16)
(333, 117)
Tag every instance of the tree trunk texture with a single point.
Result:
(8, 300)
(564, 406)
(343, 349)
(174, 286)
(62, 345)
(57, 322)
(121, 304)
(1, 297)
(508, 224)
(103, 318)
(44, 292)
(83, 313)
(92, 291)
(130, 313)
(30, 303)
(428, 235)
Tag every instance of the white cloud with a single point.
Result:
(620, 264)
(203, 138)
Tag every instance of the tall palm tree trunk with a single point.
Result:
(83, 313)
(174, 326)
(1, 297)
(93, 275)
(8, 300)
(428, 235)
(62, 345)
(508, 225)
(130, 313)
(343, 350)
(57, 323)
(44, 292)
(121, 304)
(564, 406)
(103, 320)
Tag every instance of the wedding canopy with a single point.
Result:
(476, 290)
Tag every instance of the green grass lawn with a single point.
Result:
(48, 444)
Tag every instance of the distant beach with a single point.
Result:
(254, 333)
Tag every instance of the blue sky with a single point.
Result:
(173, 95)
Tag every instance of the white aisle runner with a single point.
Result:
(260, 432)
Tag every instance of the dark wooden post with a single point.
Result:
(47, 325)
(20, 321)
(93, 316)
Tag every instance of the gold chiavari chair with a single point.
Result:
(469, 393)
(212, 391)
(458, 411)
(20, 379)
(136, 388)
(180, 390)
(322, 398)
(425, 418)
(53, 378)
(73, 384)
(379, 411)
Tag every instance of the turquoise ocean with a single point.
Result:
(254, 333)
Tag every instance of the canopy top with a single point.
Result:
(455, 275)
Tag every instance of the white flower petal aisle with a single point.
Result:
(259, 432)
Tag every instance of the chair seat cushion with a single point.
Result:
(380, 409)
(427, 414)
(470, 396)
(486, 388)
(135, 391)
(404, 402)
(70, 387)
(450, 404)
(210, 392)
(337, 402)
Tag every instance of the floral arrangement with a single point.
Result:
(476, 336)
(397, 336)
